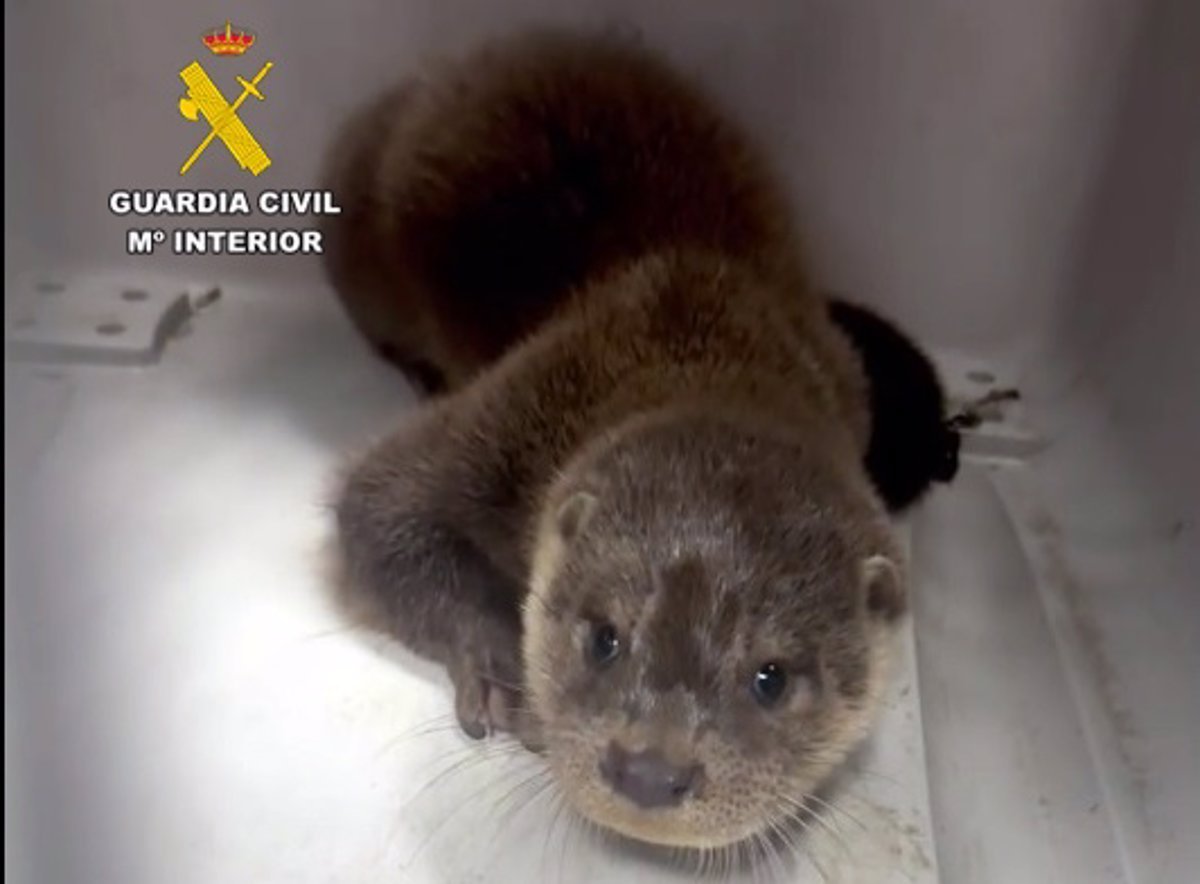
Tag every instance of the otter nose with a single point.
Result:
(647, 778)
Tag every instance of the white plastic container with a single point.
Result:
(1017, 183)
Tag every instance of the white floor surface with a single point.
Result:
(189, 707)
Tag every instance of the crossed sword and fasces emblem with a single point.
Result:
(205, 98)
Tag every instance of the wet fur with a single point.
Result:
(597, 275)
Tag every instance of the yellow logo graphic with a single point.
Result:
(203, 97)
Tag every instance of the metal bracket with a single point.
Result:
(100, 318)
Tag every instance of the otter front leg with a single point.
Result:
(401, 528)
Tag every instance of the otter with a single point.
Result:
(633, 519)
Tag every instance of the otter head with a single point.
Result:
(707, 628)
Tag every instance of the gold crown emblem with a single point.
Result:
(228, 41)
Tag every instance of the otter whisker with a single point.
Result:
(501, 777)
(573, 827)
(811, 855)
(887, 822)
(491, 677)
(850, 766)
(531, 790)
(587, 832)
(538, 779)
(560, 806)
(836, 809)
(785, 845)
(800, 809)
(466, 758)
(834, 832)
(867, 772)
(778, 869)
(701, 854)
(677, 855)
(591, 831)
(789, 843)
(756, 848)
(806, 829)
(803, 810)
(497, 803)
(436, 725)
(547, 786)
(528, 799)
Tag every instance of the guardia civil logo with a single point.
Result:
(205, 100)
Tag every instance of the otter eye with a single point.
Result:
(769, 683)
(606, 644)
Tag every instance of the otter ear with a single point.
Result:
(883, 588)
(574, 513)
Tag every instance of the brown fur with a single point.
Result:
(600, 271)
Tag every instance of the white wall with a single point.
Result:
(942, 150)
(1128, 318)
(1117, 391)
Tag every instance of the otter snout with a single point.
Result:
(647, 778)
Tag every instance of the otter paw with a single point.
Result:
(484, 707)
